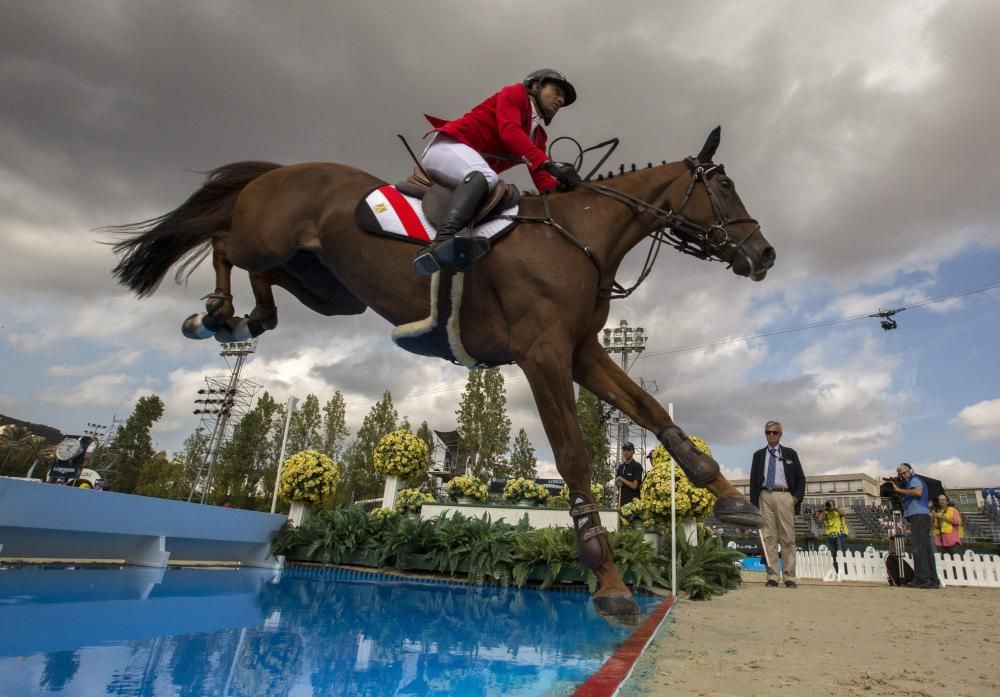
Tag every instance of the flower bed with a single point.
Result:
(469, 487)
(520, 488)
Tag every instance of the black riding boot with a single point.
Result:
(454, 246)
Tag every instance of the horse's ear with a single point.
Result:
(708, 150)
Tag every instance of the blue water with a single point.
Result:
(196, 632)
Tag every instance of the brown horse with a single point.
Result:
(539, 299)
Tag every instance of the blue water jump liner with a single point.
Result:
(339, 573)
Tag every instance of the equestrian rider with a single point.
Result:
(467, 154)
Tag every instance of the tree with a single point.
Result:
(335, 426)
(522, 457)
(483, 424)
(162, 478)
(427, 435)
(590, 415)
(192, 455)
(15, 441)
(306, 429)
(242, 463)
(360, 479)
(133, 445)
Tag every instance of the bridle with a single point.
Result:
(707, 242)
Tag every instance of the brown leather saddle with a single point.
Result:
(434, 197)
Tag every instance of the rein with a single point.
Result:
(703, 242)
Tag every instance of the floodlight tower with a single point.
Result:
(217, 402)
(626, 341)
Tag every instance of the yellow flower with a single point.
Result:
(401, 454)
(308, 476)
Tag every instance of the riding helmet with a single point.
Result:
(550, 75)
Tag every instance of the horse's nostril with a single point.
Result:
(767, 256)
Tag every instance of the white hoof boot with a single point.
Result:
(235, 329)
(192, 327)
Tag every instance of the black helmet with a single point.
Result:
(549, 75)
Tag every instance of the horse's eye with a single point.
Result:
(726, 183)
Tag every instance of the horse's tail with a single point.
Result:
(185, 233)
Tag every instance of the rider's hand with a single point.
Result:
(564, 173)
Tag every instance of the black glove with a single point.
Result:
(563, 172)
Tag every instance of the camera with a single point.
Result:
(887, 492)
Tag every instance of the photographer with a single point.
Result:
(918, 515)
(835, 526)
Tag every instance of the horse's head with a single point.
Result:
(713, 218)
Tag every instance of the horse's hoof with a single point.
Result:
(192, 327)
(618, 609)
(234, 330)
(736, 510)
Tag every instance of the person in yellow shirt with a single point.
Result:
(835, 527)
(946, 522)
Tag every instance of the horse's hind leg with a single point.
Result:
(594, 369)
(219, 311)
(552, 387)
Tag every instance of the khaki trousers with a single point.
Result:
(778, 509)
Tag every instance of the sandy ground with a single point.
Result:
(826, 639)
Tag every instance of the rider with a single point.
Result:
(468, 152)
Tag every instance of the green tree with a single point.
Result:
(522, 457)
(270, 455)
(306, 429)
(361, 481)
(484, 425)
(239, 473)
(15, 443)
(425, 434)
(162, 478)
(133, 445)
(335, 429)
(590, 415)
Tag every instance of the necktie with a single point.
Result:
(769, 479)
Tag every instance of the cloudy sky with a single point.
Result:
(863, 136)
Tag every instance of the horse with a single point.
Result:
(539, 299)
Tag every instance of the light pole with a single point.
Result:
(624, 340)
(292, 401)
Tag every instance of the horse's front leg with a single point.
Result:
(545, 365)
(594, 369)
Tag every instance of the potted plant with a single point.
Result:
(409, 501)
(524, 492)
(692, 504)
(400, 456)
(307, 479)
(596, 490)
(467, 490)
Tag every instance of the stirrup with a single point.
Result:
(426, 262)
(591, 541)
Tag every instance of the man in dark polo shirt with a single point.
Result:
(628, 476)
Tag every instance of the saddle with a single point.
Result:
(434, 197)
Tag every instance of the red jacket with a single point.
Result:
(500, 126)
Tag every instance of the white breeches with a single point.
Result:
(448, 161)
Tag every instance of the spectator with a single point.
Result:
(628, 476)
(777, 485)
(835, 528)
(918, 515)
(947, 525)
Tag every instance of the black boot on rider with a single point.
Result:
(454, 245)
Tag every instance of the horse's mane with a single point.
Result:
(610, 175)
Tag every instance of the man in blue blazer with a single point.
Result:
(777, 485)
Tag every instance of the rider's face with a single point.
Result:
(551, 99)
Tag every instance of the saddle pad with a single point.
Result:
(386, 211)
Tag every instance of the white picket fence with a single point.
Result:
(969, 569)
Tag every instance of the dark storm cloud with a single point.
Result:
(860, 139)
